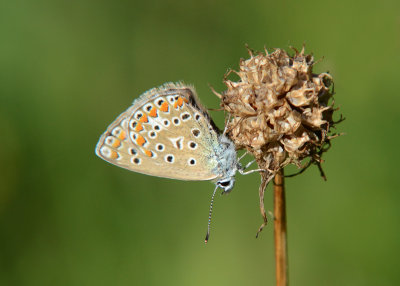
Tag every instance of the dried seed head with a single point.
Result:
(280, 111)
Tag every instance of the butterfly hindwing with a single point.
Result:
(165, 133)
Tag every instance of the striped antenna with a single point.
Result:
(209, 215)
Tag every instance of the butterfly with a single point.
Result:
(168, 133)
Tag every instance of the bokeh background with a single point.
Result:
(68, 68)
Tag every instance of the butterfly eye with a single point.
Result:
(227, 184)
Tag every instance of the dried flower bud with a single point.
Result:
(280, 111)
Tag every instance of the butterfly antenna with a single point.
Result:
(210, 214)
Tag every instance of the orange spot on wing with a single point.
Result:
(144, 119)
(186, 100)
(153, 112)
(116, 143)
(140, 140)
(122, 135)
(139, 127)
(180, 101)
(148, 153)
(164, 107)
(114, 155)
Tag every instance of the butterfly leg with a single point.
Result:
(252, 171)
(243, 172)
(244, 154)
(241, 169)
(248, 164)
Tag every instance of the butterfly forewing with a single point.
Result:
(165, 133)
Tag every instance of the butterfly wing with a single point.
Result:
(165, 133)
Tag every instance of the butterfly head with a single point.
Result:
(226, 184)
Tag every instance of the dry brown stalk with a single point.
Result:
(280, 231)
(281, 112)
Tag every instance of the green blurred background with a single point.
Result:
(68, 68)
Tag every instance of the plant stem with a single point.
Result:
(280, 233)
